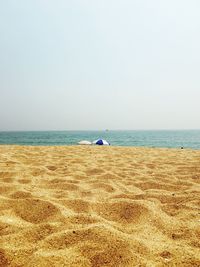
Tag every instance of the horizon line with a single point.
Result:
(105, 130)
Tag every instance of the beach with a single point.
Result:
(97, 206)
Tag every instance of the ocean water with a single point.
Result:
(173, 139)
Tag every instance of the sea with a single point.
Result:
(150, 138)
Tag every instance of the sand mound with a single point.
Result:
(99, 207)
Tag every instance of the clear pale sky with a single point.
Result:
(116, 64)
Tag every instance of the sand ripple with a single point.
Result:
(99, 206)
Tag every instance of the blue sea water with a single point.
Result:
(162, 138)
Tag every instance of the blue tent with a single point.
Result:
(101, 142)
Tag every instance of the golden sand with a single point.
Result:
(99, 206)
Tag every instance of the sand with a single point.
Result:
(99, 206)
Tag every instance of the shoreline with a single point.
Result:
(101, 146)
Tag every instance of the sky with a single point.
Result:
(95, 65)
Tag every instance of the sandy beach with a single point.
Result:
(99, 206)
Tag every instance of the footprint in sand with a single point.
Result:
(123, 212)
(34, 210)
(99, 246)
